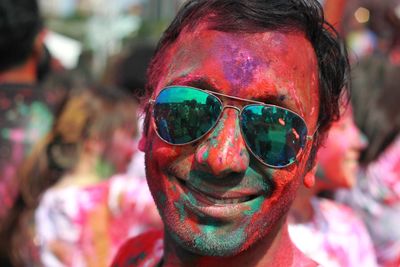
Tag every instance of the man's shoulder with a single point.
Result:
(143, 250)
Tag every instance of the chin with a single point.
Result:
(206, 236)
(350, 181)
(210, 245)
(224, 239)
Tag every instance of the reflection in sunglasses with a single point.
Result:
(273, 134)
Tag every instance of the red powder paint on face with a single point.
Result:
(227, 150)
(338, 157)
(263, 67)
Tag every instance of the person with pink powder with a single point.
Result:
(325, 230)
(375, 98)
(86, 206)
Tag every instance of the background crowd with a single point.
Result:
(72, 180)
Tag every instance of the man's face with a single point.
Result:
(213, 196)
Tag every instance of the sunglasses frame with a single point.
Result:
(240, 110)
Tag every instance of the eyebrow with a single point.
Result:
(204, 83)
(198, 82)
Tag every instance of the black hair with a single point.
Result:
(375, 100)
(130, 72)
(254, 16)
(20, 22)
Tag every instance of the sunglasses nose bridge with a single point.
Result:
(232, 107)
(224, 150)
(237, 117)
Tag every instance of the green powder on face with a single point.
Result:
(230, 143)
(255, 206)
(135, 259)
(214, 143)
(205, 155)
(191, 198)
(219, 242)
(181, 210)
(161, 198)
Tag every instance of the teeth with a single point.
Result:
(228, 201)
(220, 201)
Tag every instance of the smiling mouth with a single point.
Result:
(222, 204)
(213, 199)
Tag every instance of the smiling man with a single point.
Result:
(240, 94)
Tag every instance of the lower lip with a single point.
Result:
(203, 207)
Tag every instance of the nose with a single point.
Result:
(361, 140)
(224, 151)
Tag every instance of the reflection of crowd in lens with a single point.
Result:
(269, 138)
(191, 119)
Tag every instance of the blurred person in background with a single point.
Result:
(376, 197)
(375, 98)
(129, 73)
(326, 231)
(86, 206)
(25, 111)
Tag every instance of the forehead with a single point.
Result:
(269, 66)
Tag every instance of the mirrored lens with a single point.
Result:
(185, 114)
(275, 135)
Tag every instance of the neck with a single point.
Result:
(302, 210)
(25, 73)
(84, 173)
(277, 251)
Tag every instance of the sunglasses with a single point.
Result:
(274, 135)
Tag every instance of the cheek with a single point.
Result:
(285, 183)
(274, 208)
(335, 147)
(355, 138)
(158, 159)
(331, 158)
(164, 158)
(160, 153)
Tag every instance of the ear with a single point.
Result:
(142, 143)
(309, 178)
(145, 132)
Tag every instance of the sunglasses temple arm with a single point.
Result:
(311, 137)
